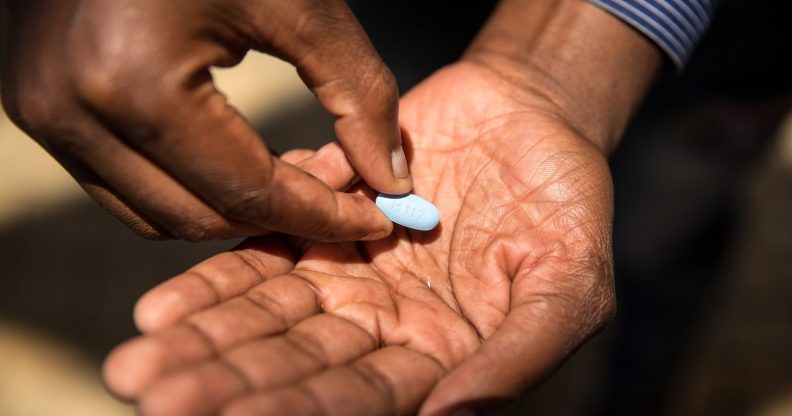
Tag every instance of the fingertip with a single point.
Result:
(145, 317)
(158, 308)
(129, 367)
(176, 298)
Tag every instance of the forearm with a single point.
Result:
(593, 68)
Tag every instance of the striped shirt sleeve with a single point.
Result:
(674, 25)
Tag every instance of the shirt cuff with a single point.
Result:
(676, 26)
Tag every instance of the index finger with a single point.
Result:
(338, 62)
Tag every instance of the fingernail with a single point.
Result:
(399, 163)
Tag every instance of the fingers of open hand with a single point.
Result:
(260, 364)
(391, 380)
(323, 364)
(267, 309)
(213, 281)
(270, 345)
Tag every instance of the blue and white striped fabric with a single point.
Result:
(674, 25)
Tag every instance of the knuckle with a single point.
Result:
(325, 226)
(197, 230)
(387, 82)
(50, 122)
(140, 225)
(379, 92)
(192, 233)
(10, 101)
(31, 96)
(371, 88)
(124, 87)
(99, 86)
(374, 92)
(184, 223)
(35, 112)
(152, 234)
(98, 75)
(316, 16)
(106, 84)
(309, 24)
(329, 233)
(250, 206)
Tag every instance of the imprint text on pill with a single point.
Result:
(409, 210)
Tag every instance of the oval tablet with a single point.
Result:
(409, 210)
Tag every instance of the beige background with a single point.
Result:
(44, 376)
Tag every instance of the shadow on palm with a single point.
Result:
(474, 312)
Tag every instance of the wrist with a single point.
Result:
(590, 68)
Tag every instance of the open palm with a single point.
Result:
(517, 275)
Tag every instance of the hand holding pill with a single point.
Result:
(518, 271)
(120, 92)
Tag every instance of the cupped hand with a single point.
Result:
(517, 276)
(119, 92)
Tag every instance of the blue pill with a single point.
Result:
(409, 210)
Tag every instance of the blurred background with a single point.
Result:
(703, 232)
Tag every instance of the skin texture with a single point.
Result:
(119, 92)
(517, 275)
(510, 145)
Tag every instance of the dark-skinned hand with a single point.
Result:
(120, 93)
(514, 279)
